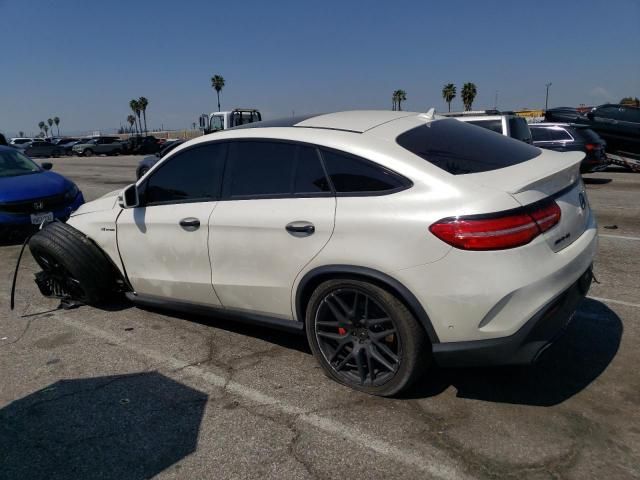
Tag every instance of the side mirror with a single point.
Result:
(129, 197)
(47, 165)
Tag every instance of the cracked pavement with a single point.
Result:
(133, 393)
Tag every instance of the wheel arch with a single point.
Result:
(316, 276)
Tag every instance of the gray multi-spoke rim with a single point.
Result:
(357, 337)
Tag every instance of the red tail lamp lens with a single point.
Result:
(497, 231)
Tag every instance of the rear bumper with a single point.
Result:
(524, 346)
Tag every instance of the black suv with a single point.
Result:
(563, 137)
(618, 125)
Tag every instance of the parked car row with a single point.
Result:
(86, 146)
(561, 137)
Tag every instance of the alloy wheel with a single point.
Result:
(357, 337)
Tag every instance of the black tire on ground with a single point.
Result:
(87, 152)
(60, 244)
(412, 346)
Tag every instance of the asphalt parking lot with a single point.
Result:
(129, 394)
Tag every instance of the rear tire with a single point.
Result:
(87, 152)
(355, 328)
(61, 248)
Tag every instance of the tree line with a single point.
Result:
(46, 126)
(449, 92)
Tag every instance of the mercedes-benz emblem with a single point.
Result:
(583, 200)
(38, 205)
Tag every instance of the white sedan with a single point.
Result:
(392, 239)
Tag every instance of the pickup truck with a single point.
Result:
(216, 121)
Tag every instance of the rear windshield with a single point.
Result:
(459, 148)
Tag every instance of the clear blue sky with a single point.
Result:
(84, 60)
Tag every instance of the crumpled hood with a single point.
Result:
(34, 185)
(108, 201)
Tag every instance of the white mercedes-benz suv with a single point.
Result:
(391, 238)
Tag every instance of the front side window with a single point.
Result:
(459, 149)
(350, 174)
(194, 175)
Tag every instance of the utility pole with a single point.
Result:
(546, 99)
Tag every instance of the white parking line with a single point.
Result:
(618, 237)
(610, 300)
(441, 466)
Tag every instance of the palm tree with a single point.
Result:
(131, 119)
(399, 96)
(469, 92)
(41, 125)
(21, 133)
(50, 122)
(46, 131)
(56, 120)
(217, 82)
(142, 103)
(449, 93)
(135, 108)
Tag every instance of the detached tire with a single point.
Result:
(64, 251)
(366, 338)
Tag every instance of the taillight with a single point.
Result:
(498, 231)
(591, 146)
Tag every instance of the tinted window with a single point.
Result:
(631, 115)
(260, 168)
(519, 129)
(540, 134)
(350, 174)
(309, 176)
(459, 148)
(608, 112)
(587, 135)
(558, 134)
(493, 125)
(192, 175)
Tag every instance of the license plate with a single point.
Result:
(38, 218)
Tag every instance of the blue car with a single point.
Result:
(30, 194)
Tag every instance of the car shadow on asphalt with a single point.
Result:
(126, 427)
(286, 339)
(576, 359)
(596, 181)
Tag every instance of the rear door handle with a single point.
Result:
(300, 228)
(190, 224)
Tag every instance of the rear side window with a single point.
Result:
(519, 129)
(630, 115)
(194, 175)
(260, 168)
(493, 125)
(350, 174)
(558, 134)
(540, 134)
(459, 148)
(309, 175)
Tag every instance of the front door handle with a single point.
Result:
(190, 224)
(300, 228)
